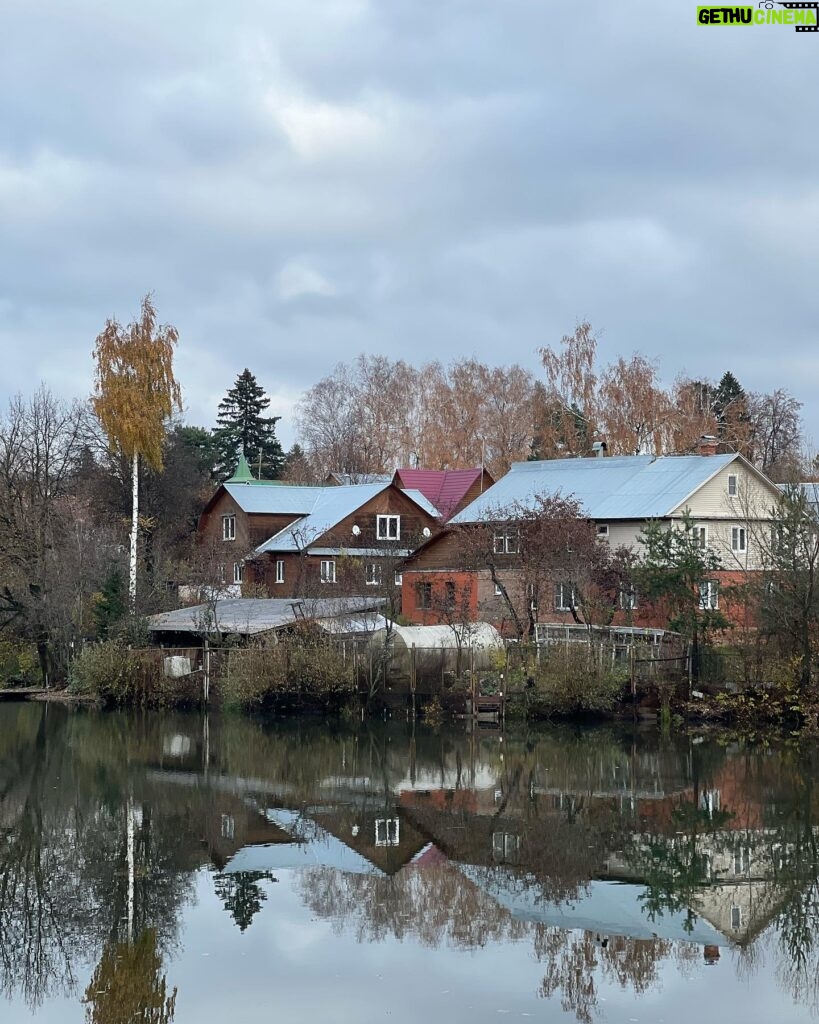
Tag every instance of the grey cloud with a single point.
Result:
(456, 178)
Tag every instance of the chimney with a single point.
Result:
(707, 445)
(599, 449)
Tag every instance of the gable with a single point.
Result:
(755, 497)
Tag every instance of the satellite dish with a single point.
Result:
(356, 530)
(426, 531)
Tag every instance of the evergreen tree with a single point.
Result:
(242, 894)
(244, 430)
(110, 606)
(728, 403)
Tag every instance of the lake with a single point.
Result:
(175, 867)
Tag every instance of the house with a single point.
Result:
(449, 490)
(297, 541)
(730, 502)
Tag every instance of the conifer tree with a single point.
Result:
(244, 430)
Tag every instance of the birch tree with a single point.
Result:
(135, 395)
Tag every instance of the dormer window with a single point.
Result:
(228, 527)
(388, 527)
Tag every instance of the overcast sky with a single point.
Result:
(301, 181)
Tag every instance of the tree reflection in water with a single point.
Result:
(464, 841)
(128, 985)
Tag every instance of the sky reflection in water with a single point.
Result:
(380, 873)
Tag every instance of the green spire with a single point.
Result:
(242, 474)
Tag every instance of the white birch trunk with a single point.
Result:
(131, 868)
(132, 572)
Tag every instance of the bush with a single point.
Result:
(296, 671)
(568, 682)
(18, 664)
(115, 674)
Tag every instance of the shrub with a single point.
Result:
(18, 664)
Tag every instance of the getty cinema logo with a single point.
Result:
(803, 16)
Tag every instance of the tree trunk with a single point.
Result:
(132, 571)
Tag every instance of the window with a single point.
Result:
(602, 529)
(710, 801)
(388, 527)
(628, 599)
(732, 485)
(736, 918)
(701, 536)
(399, 579)
(228, 826)
(564, 597)
(507, 541)
(328, 570)
(280, 570)
(742, 860)
(228, 527)
(709, 595)
(423, 595)
(498, 591)
(739, 538)
(505, 847)
(372, 574)
(238, 572)
(387, 831)
(449, 594)
(222, 574)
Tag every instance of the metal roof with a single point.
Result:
(330, 506)
(620, 487)
(261, 497)
(248, 616)
(445, 488)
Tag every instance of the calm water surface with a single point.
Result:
(160, 868)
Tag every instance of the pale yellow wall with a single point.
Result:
(755, 498)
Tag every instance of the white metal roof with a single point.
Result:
(620, 487)
(331, 505)
(248, 616)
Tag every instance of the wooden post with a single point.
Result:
(206, 672)
(633, 677)
(413, 679)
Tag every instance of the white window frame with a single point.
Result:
(709, 595)
(603, 530)
(423, 595)
(736, 918)
(739, 539)
(373, 574)
(229, 527)
(506, 541)
(628, 600)
(328, 570)
(701, 532)
(238, 572)
(383, 525)
(733, 485)
(560, 597)
(228, 826)
(498, 591)
(387, 831)
(399, 579)
(280, 570)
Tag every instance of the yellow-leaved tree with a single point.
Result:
(135, 394)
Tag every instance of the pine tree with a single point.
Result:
(243, 430)
(728, 397)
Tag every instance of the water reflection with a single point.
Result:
(608, 856)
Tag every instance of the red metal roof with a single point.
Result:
(445, 488)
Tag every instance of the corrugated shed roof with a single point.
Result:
(248, 616)
(330, 506)
(445, 488)
(621, 487)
